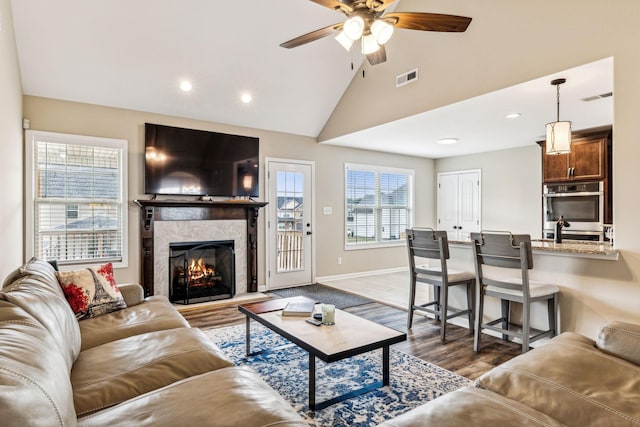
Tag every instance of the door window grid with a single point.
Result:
(290, 228)
(378, 205)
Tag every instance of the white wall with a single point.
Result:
(10, 146)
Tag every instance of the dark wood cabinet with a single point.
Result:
(590, 160)
(587, 161)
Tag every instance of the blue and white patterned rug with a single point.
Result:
(412, 380)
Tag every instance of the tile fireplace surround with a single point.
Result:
(167, 221)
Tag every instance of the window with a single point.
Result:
(76, 198)
(378, 205)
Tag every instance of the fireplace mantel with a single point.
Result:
(196, 210)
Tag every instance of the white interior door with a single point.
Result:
(289, 223)
(459, 203)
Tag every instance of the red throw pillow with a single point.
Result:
(91, 291)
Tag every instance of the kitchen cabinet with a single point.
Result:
(587, 161)
(459, 203)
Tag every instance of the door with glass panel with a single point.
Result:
(289, 223)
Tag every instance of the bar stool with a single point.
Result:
(504, 250)
(428, 243)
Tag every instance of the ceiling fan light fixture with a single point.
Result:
(369, 44)
(344, 41)
(354, 27)
(382, 31)
(558, 139)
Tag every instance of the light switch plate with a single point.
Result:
(327, 210)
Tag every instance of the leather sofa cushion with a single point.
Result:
(111, 373)
(132, 293)
(227, 397)
(36, 290)
(155, 314)
(620, 339)
(471, 406)
(572, 381)
(34, 382)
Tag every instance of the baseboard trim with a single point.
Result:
(360, 274)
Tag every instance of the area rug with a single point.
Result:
(325, 294)
(412, 380)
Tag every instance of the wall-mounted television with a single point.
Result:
(195, 162)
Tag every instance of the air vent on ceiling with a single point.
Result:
(406, 78)
(596, 97)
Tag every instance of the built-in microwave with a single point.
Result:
(582, 206)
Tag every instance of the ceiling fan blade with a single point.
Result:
(428, 21)
(379, 5)
(337, 5)
(377, 57)
(313, 36)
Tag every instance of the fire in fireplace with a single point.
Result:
(201, 271)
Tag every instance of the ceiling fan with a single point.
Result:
(367, 22)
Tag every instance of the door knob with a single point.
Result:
(309, 233)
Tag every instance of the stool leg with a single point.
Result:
(526, 319)
(443, 311)
(552, 309)
(505, 308)
(479, 310)
(412, 299)
(470, 293)
(436, 294)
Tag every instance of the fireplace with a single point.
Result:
(201, 271)
(166, 221)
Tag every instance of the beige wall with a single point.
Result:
(10, 146)
(507, 43)
(76, 118)
(511, 187)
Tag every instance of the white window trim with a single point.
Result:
(33, 135)
(377, 169)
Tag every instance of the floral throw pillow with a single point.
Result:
(91, 291)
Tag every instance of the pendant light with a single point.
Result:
(558, 133)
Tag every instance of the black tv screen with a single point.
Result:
(195, 162)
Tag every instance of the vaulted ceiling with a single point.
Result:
(134, 54)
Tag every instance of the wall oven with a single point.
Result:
(581, 204)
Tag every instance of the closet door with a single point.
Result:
(459, 203)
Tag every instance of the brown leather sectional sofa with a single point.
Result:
(569, 381)
(140, 366)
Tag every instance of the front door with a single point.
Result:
(289, 223)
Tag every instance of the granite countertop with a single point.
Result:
(577, 248)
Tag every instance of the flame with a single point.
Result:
(198, 269)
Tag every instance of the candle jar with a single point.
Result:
(328, 314)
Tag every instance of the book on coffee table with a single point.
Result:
(303, 309)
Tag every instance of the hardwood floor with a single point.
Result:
(423, 340)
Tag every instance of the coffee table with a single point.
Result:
(351, 335)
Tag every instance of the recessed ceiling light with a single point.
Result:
(447, 141)
(246, 98)
(186, 86)
(512, 115)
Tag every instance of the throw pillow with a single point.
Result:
(91, 291)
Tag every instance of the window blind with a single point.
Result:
(378, 204)
(78, 201)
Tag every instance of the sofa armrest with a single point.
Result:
(132, 293)
(620, 339)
